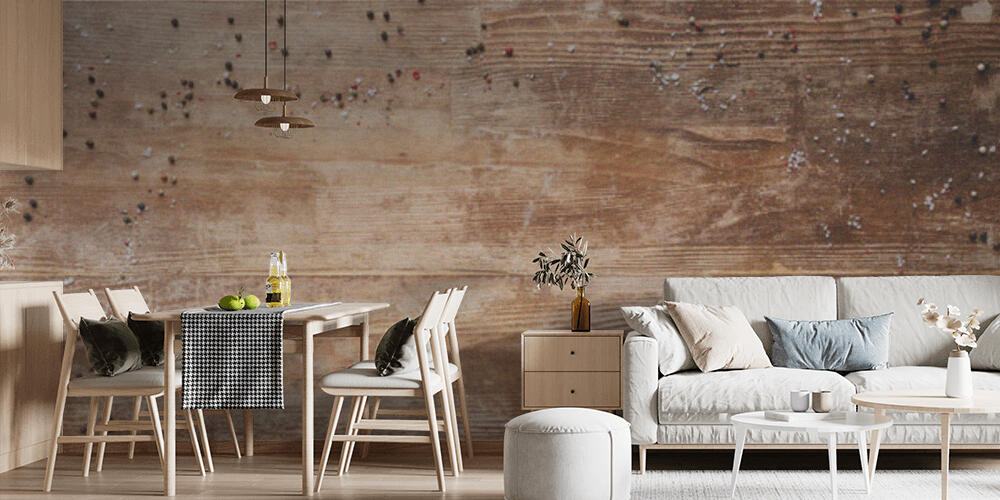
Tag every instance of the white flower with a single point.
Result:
(948, 324)
(952, 310)
(930, 317)
(966, 340)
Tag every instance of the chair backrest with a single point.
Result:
(428, 331)
(125, 301)
(74, 306)
(450, 333)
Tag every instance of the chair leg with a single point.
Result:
(349, 431)
(57, 423)
(205, 447)
(435, 442)
(135, 418)
(338, 403)
(154, 417)
(108, 401)
(456, 436)
(376, 402)
(449, 433)
(232, 433)
(193, 436)
(465, 415)
(353, 444)
(89, 447)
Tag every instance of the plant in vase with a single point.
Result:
(568, 267)
(7, 239)
(959, 377)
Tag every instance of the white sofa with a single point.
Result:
(691, 409)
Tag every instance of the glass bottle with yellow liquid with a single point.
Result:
(274, 286)
(286, 291)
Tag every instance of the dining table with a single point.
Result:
(300, 328)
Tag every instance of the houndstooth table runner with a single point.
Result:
(233, 359)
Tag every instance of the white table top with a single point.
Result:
(835, 422)
(929, 400)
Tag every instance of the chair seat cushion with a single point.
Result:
(149, 377)
(364, 376)
(696, 397)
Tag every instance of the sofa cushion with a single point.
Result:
(719, 337)
(987, 355)
(799, 297)
(841, 345)
(696, 397)
(916, 377)
(655, 322)
(914, 343)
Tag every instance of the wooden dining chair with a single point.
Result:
(455, 374)
(145, 383)
(131, 300)
(361, 381)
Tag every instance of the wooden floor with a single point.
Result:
(399, 472)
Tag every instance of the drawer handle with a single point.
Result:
(572, 391)
(572, 353)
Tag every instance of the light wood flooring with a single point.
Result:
(396, 472)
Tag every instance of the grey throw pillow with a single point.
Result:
(397, 351)
(111, 347)
(842, 345)
(150, 336)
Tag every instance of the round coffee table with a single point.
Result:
(926, 401)
(834, 423)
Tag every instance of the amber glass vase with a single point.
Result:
(581, 312)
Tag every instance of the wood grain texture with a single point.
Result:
(31, 85)
(743, 167)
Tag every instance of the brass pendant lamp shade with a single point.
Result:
(265, 94)
(284, 122)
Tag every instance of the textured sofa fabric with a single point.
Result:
(567, 454)
(691, 408)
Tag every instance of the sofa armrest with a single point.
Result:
(641, 376)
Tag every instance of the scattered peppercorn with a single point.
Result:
(163, 94)
(328, 53)
(996, 247)
(230, 20)
(29, 180)
(92, 114)
(163, 104)
(91, 79)
(384, 36)
(174, 22)
(983, 237)
(623, 22)
(229, 66)
(281, 20)
(973, 237)
(27, 217)
(370, 15)
(933, 63)
(239, 37)
(33, 203)
(141, 206)
(90, 144)
(391, 78)
(127, 220)
(760, 55)
(925, 33)
(516, 83)
(482, 26)
(385, 15)
(899, 8)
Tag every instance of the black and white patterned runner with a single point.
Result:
(233, 359)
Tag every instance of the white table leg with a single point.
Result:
(308, 331)
(876, 443)
(832, 452)
(945, 448)
(170, 410)
(862, 449)
(741, 439)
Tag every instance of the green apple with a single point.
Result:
(252, 302)
(231, 303)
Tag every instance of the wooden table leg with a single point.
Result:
(876, 443)
(945, 449)
(170, 410)
(863, 451)
(311, 328)
(248, 432)
(832, 453)
(741, 439)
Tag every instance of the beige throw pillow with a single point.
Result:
(719, 337)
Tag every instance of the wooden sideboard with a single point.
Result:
(564, 368)
(31, 344)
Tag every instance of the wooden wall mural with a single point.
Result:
(455, 139)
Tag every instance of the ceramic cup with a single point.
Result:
(799, 400)
(822, 401)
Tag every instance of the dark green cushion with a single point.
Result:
(150, 335)
(112, 348)
(397, 352)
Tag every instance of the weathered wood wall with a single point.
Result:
(681, 138)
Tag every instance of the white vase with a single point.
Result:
(959, 381)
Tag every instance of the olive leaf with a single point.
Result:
(568, 267)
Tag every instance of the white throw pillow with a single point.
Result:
(672, 353)
(986, 356)
(719, 337)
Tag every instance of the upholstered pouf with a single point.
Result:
(567, 454)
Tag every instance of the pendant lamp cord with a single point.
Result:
(284, 52)
(265, 42)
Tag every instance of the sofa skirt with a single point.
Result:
(694, 435)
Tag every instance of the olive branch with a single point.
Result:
(569, 267)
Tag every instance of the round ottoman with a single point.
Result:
(567, 453)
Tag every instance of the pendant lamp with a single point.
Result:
(284, 122)
(265, 95)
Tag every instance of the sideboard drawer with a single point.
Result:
(584, 389)
(568, 354)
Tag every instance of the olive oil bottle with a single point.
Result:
(286, 291)
(274, 287)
